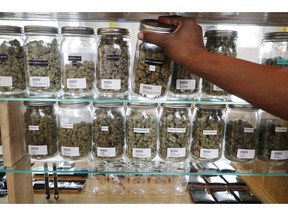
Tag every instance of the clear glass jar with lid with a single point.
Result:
(223, 42)
(74, 129)
(40, 122)
(108, 130)
(12, 73)
(174, 131)
(78, 52)
(151, 75)
(208, 124)
(241, 134)
(42, 61)
(113, 62)
(273, 138)
(142, 131)
(273, 49)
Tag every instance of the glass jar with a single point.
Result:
(113, 62)
(108, 130)
(78, 51)
(184, 84)
(208, 131)
(273, 49)
(74, 129)
(42, 61)
(223, 42)
(40, 129)
(151, 75)
(142, 131)
(12, 73)
(174, 131)
(273, 138)
(241, 135)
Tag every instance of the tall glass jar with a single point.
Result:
(174, 131)
(142, 131)
(12, 73)
(40, 129)
(208, 126)
(223, 42)
(42, 61)
(273, 49)
(108, 130)
(113, 62)
(151, 75)
(241, 134)
(74, 129)
(78, 52)
(273, 138)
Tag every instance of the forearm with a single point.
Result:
(249, 81)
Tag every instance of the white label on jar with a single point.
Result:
(150, 89)
(216, 88)
(141, 152)
(209, 153)
(106, 152)
(105, 128)
(39, 81)
(279, 155)
(1, 150)
(246, 153)
(176, 130)
(182, 84)
(209, 132)
(152, 68)
(111, 84)
(37, 150)
(70, 151)
(281, 129)
(141, 130)
(6, 81)
(33, 127)
(176, 152)
(76, 83)
(248, 130)
(67, 125)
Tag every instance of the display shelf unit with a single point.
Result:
(270, 187)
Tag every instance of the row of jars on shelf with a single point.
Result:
(142, 131)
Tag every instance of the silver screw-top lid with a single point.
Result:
(221, 33)
(77, 30)
(154, 26)
(113, 31)
(10, 29)
(176, 105)
(242, 106)
(73, 103)
(40, 29)
(142, 105)
(38, 103)
(276, 36)
(110, 104)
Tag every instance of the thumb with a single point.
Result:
(153, 38)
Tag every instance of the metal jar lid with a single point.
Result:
(40, 29)
(154, 26)
(73, 103)
(142, 105)
(176, 105)
(77, 30)
(38, 103)
(211, 106)
(10, 29)
(242, 106)
(282, 36)
(107, 105)
(113, 31)
(221, 33)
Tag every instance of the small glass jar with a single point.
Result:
(184, 84)
(142, 131)
(208, 126)
(12, 73)
(174, 131)
(42, 61)
(78, 52)
(108, 130)
(151, 75)
(273, 49)
(40, 129)
(223, 42)
(241, 134)
(74, 129)
(273, 138)
(113, 62)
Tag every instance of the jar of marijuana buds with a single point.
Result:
(151, 75)
(113, 62)
(40, 129)
(12, 73)
(74, 129)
